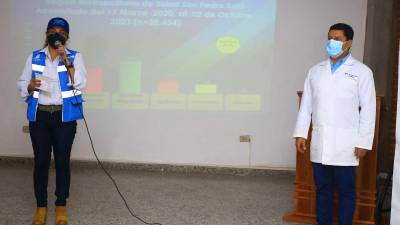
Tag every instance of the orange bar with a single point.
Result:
(95, 80)
(168, 86)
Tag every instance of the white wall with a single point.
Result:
(203, 138)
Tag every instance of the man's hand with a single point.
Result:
(35, 83)
(360, 152)
(301, 144)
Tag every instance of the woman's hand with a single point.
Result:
(34, 83)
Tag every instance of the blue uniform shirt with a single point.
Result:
(338, 63)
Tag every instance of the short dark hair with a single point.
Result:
(347, 30)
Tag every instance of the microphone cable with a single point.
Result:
(101, 164)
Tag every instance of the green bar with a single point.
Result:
(130, 77)
(206, 89)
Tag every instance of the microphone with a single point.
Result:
(57, 44)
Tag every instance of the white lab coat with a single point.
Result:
(342, 109)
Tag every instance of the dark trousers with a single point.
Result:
(328, 179)
(50, 133)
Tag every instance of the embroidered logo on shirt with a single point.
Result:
(352, 76)
(37, 58)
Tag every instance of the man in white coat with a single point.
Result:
(339, 98)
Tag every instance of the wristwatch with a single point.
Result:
(70, 65)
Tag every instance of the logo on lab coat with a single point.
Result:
(352, 76)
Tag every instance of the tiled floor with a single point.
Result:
(167, 198)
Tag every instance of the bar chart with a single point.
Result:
(167, 95)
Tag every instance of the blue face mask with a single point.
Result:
(334, 48)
